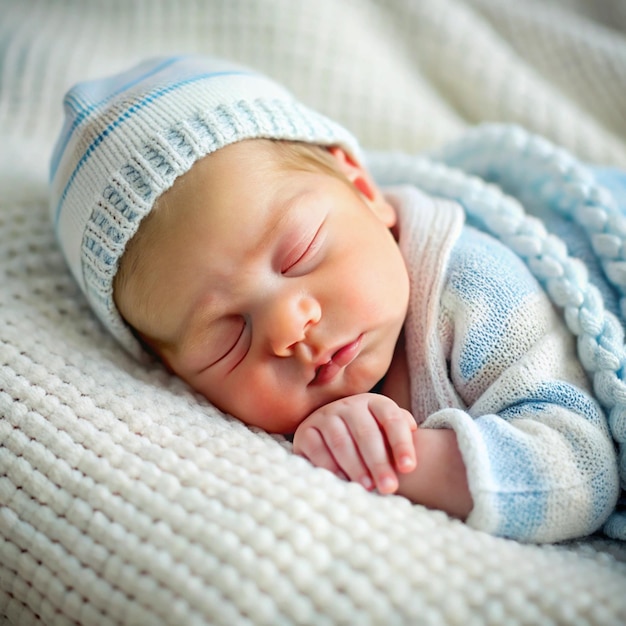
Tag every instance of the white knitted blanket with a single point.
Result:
(127, 499)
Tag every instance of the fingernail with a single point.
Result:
(387, 485)
(405, 462)
(366, 481)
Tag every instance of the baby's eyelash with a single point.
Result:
(225, 354)
(294, 263)
(243, 355)
(309, 249)
(243, 328)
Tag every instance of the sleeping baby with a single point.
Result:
(220, 226)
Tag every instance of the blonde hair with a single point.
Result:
(302, 156)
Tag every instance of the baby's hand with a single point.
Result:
(366, 438)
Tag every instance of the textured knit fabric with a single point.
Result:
(127, 137)
(490, 357)
(124, 498)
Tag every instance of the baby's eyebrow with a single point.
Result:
(284, 214)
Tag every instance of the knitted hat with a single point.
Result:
(128, 137)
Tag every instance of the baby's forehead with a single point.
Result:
(230, 191)
(270, 158)
(248, 168)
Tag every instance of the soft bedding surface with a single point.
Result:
(127, 499)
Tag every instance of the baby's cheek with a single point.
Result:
(277, 413)
(260, 399)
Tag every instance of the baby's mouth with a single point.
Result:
(327, 372)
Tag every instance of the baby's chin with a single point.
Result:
(364, 382)
(278, 420)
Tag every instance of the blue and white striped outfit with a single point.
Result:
(490, 357)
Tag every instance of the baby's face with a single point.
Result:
(271, 291)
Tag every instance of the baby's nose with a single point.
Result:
(289, 321)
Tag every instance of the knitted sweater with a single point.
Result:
(490, 357)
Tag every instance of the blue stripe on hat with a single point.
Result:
(111, 128)
(83, 110)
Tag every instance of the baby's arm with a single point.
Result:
(439, 480)
(540, 462)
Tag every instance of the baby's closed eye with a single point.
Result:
(303, 256)
(223, 339)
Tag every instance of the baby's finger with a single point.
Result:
(398, 426)
(338, 439)
(373, 450)
(311, 445)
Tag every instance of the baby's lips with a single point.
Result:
(342, 357)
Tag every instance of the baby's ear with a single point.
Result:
(364, 183)
(354, 172)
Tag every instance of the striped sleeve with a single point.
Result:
(540, 460)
